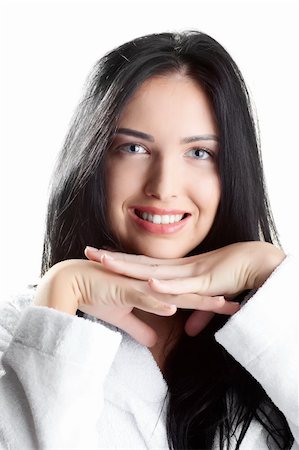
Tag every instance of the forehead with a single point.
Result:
(174, 100)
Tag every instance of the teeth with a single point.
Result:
(165, 219)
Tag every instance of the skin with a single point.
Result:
(194, 282)
(164, 174)
(140, 291)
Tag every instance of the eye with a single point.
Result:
(200, 153)
(133, 149)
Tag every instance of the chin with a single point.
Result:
(161, 253)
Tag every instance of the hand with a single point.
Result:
(85, 285)
(226, 271)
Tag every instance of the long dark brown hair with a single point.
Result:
(211, 397)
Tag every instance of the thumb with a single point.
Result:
(198, 321)
(139, 330)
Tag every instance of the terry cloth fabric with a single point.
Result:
(78, 383)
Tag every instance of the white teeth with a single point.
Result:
(165, 219)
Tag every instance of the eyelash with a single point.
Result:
(209, 152)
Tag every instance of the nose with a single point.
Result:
(163, 179)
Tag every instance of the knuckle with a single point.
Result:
(154, 268)
(150, 302)
(140, 299)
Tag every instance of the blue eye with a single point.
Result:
(133, 149)
(200, 153)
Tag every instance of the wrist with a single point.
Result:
(266, 259)
(58, 288)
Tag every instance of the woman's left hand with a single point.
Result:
(226, 272)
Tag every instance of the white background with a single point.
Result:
(47, 51)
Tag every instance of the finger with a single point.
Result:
(144, 271)
(201, 284)
(217, 304)
(139, 330)
(156, 301)
(204, 303)
(197, 322)
(96, 254)
(150, 304)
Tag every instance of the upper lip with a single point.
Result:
(159, 211)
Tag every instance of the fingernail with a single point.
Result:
(168, 306)
(92, 249)
(235, 304)
(154, 280)
(106, 257)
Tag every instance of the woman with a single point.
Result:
(160, 173)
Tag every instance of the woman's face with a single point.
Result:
(163, 186)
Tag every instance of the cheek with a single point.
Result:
(122, 184)
(206, 193)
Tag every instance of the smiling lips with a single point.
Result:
(159, 221)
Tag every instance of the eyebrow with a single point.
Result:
(148, 137)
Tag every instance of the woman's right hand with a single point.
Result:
(82, 284)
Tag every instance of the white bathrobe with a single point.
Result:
(76, 383)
